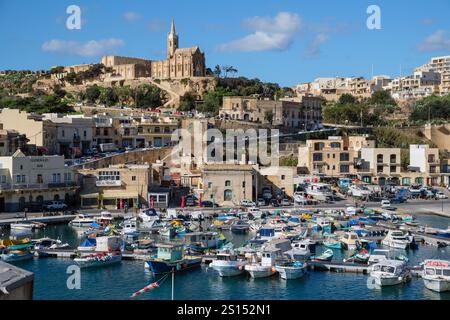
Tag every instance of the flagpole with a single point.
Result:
(173, 282)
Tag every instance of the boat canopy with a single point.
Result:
(90, 242)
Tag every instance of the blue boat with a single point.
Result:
(18, 252)
(203, 241)
(170, 259)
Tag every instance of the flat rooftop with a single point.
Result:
(12, 277)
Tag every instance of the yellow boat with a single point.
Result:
(8, 242)
(307, 217)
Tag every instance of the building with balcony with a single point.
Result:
(74, 134)
(332, 157)
(305, 115)
(116, 187)
(379, 165)
(30, 180)
(426, 161)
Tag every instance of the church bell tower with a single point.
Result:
(172, 41)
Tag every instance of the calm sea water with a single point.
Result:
(120, 281)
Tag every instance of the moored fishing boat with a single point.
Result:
(100, 259)
(332, 242)
(17, 252)
(361, 256)
(396, 239)
(327, 255)
(291, 270)
(170, 259)
(389, 273)
(265, 268)
(82, 221)
(436, 275)
(228, 264)
(349, 240)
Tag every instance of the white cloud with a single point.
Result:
(131, 16)
(437, 41)
(85, 49)
(313, 49)
(270, 33)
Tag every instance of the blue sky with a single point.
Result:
(284, 41)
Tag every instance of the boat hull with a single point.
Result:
(97, 263)
(438, 285)
(395, 244)
(13, 258)
(289, 273)
(229, 269)
(257, 271)
(160, 267)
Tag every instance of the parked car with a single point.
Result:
(261, 202)
(209, 204)
(56, 205)
(247, 203)
(385, 203)
(441, 195)
(285, 202)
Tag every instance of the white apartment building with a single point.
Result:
(26, 180)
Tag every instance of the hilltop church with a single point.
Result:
(180, 63)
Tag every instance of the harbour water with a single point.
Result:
(120, 281)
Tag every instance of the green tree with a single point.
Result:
(187, 102)
(217, 71)
(92, 93)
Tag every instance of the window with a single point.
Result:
(243, 184)
(228, 195)
(317, 157)
(39, 179)
(227, 183)
(393, 169)
(209, 185)
(63, 133)
(379, 169)
(393, 158)
(133, 178)
(344, 168)
(380, 158)
(283, 177)
(18, 178)
(344, 157)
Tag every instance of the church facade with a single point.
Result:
(180, 63)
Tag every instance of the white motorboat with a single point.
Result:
(26, 225)
(265, 268)
(228, 264)
(301, 250)
(436, 275)
(148, 215)
(319, 191)
(129, 227)
(82, 221)
(48, 243)
(105, 218)
(359, 191)
(396, 239)
(291, 270)
(389, 273)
